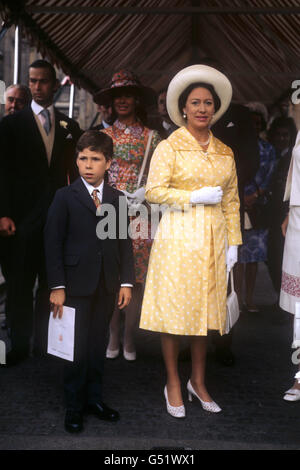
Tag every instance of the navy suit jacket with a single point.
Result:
(75, 256)
(235, 129)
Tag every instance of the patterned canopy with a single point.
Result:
(256, 43)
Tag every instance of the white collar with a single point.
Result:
(37, 108)
(91, 188)
(166, 125)
(105, 125)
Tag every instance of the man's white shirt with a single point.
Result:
(37, 109)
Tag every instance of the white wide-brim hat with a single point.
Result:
(195, 74)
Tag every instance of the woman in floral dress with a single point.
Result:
(130, 137)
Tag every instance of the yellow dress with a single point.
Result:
(186, 289)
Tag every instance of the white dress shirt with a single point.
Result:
(166, 125)
(91, 188)
(37, 109)
(105, 124)
(48, 138)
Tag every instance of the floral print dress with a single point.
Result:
(129, 148)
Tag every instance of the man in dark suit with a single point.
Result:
(86, 268)
(16, 98)
(235, 129)
(106, 113)
(166, 126)
(37, 158)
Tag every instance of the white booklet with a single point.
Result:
(61, 334)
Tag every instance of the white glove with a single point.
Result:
(134, 200)
(231, 257)
(207, 195)
(138, 195)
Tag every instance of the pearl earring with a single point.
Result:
(184, 116)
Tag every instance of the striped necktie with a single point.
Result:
(95, 198)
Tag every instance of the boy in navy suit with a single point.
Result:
(86, 272)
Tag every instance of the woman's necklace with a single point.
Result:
(203, 144)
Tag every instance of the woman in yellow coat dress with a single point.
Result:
(193, 173)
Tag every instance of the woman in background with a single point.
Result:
(290, 284)
(130, 136)
(282, 135)
(255, 236)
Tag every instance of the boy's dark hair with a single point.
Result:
(97, 142)
(43, 64)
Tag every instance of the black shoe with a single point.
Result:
(73, 421)
(103, 412)
(38, 352)
(15, 357)
(225, 357)
(280, 317)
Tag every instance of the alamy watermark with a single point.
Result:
(2, 92)
(157, 221)
(2, 352)
(295, 98)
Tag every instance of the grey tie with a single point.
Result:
(47, 123)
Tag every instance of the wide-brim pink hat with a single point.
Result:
(128, 81)
(195, 74)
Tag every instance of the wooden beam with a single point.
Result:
(162, 10)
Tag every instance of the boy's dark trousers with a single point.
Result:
(83, 377)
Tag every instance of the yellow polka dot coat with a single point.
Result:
(186, 286)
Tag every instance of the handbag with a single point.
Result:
(232, 306)
(131, 201)
(296, 333)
